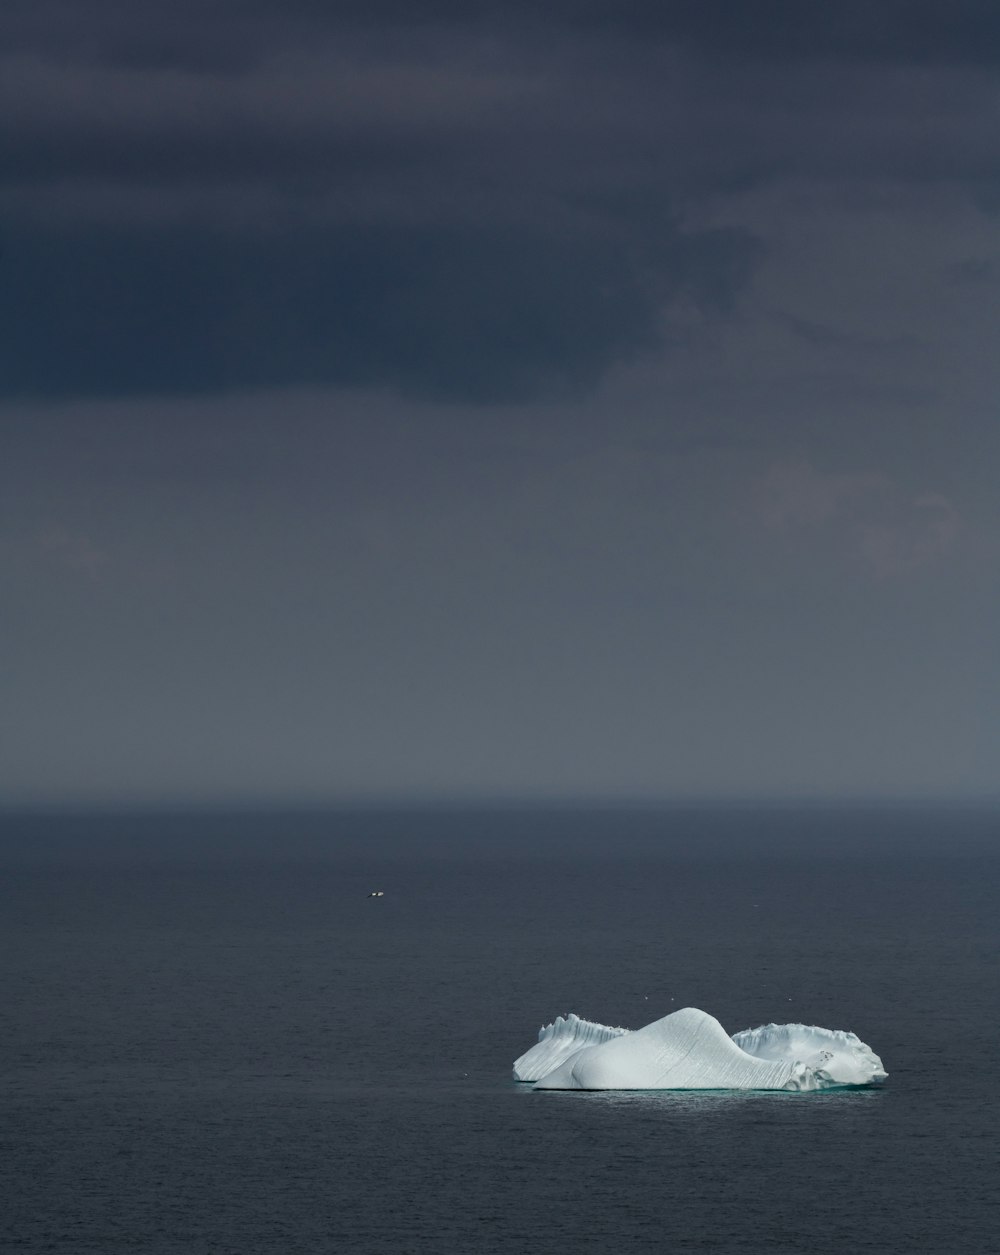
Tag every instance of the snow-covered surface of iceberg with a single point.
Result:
(836, 1056)
(690, 1049)
(560, 1041)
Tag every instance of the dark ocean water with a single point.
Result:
(213, 1041)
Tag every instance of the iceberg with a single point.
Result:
(689, 1049)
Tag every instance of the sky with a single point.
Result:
(473, 401)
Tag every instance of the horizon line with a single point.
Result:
(484, 802)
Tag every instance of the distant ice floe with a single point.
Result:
(690, 1049)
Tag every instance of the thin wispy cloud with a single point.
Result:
(863, 514)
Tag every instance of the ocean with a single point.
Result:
(212, 1040)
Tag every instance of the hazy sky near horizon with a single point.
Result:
(547, 399)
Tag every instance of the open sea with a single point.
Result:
(212, 1040)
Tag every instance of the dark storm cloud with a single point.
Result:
(434, 312)
(230, 32)
(480, 201)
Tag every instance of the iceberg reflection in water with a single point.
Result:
(690, 1050)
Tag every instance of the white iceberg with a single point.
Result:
(690, 1049)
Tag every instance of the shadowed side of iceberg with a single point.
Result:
(559, 1042)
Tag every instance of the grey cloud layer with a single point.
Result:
(233, 31)
(483, 203)
(276, 600)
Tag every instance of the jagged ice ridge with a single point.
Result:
(557, 1042)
